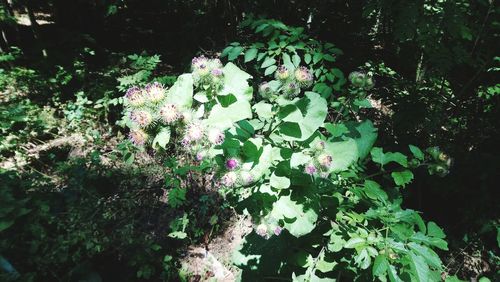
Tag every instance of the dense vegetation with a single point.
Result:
(356, 139)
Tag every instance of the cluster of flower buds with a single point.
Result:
(207, 72)
(197, 139)
(268, 228)
(291, 82)
(441, 164)
(362, 80)
(321, 161)
(236, 175)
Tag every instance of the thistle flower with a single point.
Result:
(194, 131)
(320, 145)
(282, 73)
(303, 76)
(265, 90)
(135, 96)
(325, 160)
(291, 90)
(141, 118)
(215, 136)
(217, 72)
(310, 169)
(261, 230)
(185, 141)
(138, 137)
(200, 62)
(169, 113)
(277, 230)
(155, 92)
(229, 179)
(246, 178)
(232, 164)
(201, 155)
(357, 79)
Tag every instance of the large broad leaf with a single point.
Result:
(235, 82)
(181, 93)
(343, 154)
(264, 163)
(419, 268)
(366, 139)
(315, 114)
(429, 255)
(162, 138)
(263, 110)
(298, 221)
(225, 117)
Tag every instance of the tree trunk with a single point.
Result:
(35, 28)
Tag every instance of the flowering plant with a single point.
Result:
(302, 179)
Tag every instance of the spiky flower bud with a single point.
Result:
(155, 92)
(201, 155)
(310, 169)
(138, 137)
(215, 136)
(246, 178)
(261, 230)
(303, 76)
(229, 179)
(282, 73)
(141, 118)
(291, 90)
(194, 131)
(265, 90)
(200, 62)
(232, 164)
(325, 160)
(169, 113)
(135, 96)
(217, 72)
(320, 145)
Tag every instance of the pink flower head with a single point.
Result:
(303, 76)
(229, 179)
(199, 62)
(261, 230)
(282, 73)
(291, 90)
(141, 118)
(325, 160)
(200, 155)
(155, 92)
(320, 145)
(135, 96)
(216, 136)
(169, 113)
(246, 178)
(217, 72)
(277, 230)
(310, 169)
(232, 164)
(138, 137)
(194, 132)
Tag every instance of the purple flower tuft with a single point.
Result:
(231, 164)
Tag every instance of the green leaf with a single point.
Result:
(291, 129)
(269, 61)
(176, 197)
(380, 265)
(270, 70)
(336, 130)
(434, 230)
(315, 114)
(234, 53)
(382, 158)
(343, 154)
(250, 54)
(279, 182)
(235, 83)
(366, 138)
(429, 255)
(433, 241)
(401, 178)
(307, 58)
(178, 235)
(298, 220)
(373, 190)
(162, 138)
(226, 100)
(329, 58)
(225, 117)
(317, 57)
(296, 60)
(263, 110)
(354, 242)
(181, 93)
(419, 268)
(417, 152)
(393, 274)
(4, 224)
